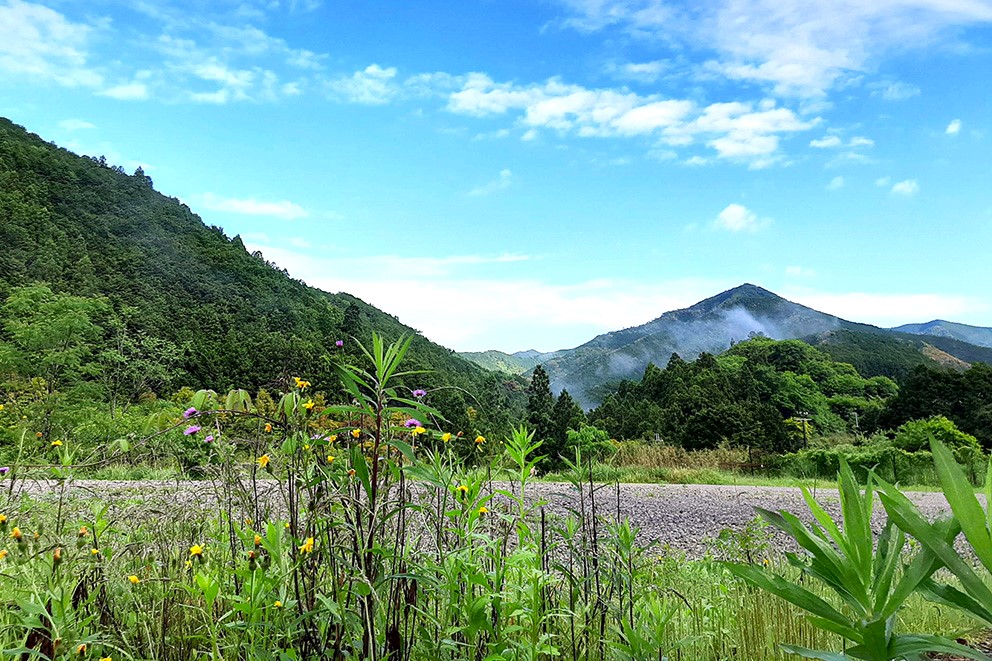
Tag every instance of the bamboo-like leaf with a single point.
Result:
(796, 595)
(955, 598)
(908, 517)
(908, 645)
(814, 654)
(964, 504)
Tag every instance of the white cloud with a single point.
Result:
(906, 187)
(738, 218)
(826, 142)
(40, 43)
(882, 182)
(643, 72)
(511, 312)
(888, 310)
(799, 272)
(736, 131)
(836, 183)
(373, 85)
(76, 125)
(861, 141)
(127, 92)
(250, 206)
(501, 182)
(954, 127)
(797, 47)
(894, 90)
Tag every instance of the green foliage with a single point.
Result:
(865, 576)
(745, 397)
(965, 398)
(915, 435)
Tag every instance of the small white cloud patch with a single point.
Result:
(906, 187)
(502, 182)
(738, 218)
(281, 209)
(75, 125)
(836, 183)
(954, 127)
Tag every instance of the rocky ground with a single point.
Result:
(684, 517)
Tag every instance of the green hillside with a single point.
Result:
(226, 318)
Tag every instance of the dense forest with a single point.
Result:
(118, 292)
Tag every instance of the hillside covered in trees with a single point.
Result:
(158, 300)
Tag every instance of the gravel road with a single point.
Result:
(684, 517)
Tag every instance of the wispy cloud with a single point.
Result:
(76, 125)
(907, 187)
(954, 127)
(836, 183)
(797, 47)
(503, 181)
(738, 218)
(894, 90)
(373, 85)
(127, 92)
(41, 43)
(252, 207)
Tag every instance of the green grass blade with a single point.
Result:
(964, 504)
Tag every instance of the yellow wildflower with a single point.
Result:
(306, 447)
(445, 437)
(84, 532)
(419, 430)
(196, 551)
(94, 551)
(351, 472)
(38, 434)
(3, 519)
(332, 438)
(356, 433)
(278, 604)
(263, 461)
(268, 427)
(287, 525)
(483, 510)
(56, 443)
(307, 546)
(258, 540)
(81, 649)
(462, 489)
(4, 553)
(134, 579)
(106, 658)
(309, 405)
(479, 440)
(16, 533)
(330, 458)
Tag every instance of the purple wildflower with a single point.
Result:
(339, 343)
(4, 470)
(189, 413)
(411, 423)
(192, 429)
(209, 439)
(419, 392)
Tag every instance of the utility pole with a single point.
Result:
(803, 418)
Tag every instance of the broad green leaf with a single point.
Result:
(814, 654)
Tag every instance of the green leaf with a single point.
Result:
(961, 497)
(814, 654)
(908, 645)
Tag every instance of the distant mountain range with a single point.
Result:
(511, 363)
(981, 337)
(591, 370)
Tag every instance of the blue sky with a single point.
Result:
(513, 175)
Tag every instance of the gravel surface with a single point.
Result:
(684, 517)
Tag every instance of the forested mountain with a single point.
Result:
(511, 363)
(590, 371)
(743, 396)
(220, 316)
(977, 335)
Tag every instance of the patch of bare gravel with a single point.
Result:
(684, 517)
